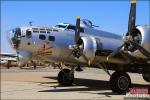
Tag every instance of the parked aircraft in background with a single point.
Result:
(8, 60)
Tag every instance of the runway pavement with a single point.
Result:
(41, 83)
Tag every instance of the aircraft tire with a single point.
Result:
(64, 79)
(146, 77)
(120, 82)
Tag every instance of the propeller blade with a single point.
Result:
(77, 30)
(132, 17)
(141, 49)
(85, 58)
(116, 51)
(76, 48)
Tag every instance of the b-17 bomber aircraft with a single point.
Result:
(81, 45)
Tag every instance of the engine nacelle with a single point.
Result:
(89, 45)
(142, 37)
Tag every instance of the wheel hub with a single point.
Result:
(123, 83)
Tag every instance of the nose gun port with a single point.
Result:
(14, 37)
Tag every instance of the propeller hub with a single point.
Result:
(134, 37)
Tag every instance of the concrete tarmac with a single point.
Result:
(41, 83)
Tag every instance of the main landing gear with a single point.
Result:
(120, 82)
(65, 77)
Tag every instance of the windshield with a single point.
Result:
(73, 28)
(69, 27)
(61, 26)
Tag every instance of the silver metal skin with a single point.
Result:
(58, 50)
(32, 48)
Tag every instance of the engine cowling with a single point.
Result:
(141, 37)
(89, 46)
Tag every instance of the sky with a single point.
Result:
(111, 16)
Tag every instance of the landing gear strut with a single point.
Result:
(120, 82)
(65, 77)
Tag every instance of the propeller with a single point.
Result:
(131, 27)
(77, 29)
(129, 39)
(116, 51)
(77, 50)
(132, 17)
(141, 49)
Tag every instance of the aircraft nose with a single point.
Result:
(14, 37)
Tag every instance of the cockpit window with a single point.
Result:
(48, 32)
(35, 31)
(42, 31)
(42, 37)
(60, 26)
(55, 30)
(49, 29)
(28, 34)
(35, 28)
(71, 27)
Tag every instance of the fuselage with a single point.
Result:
(52, 44)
